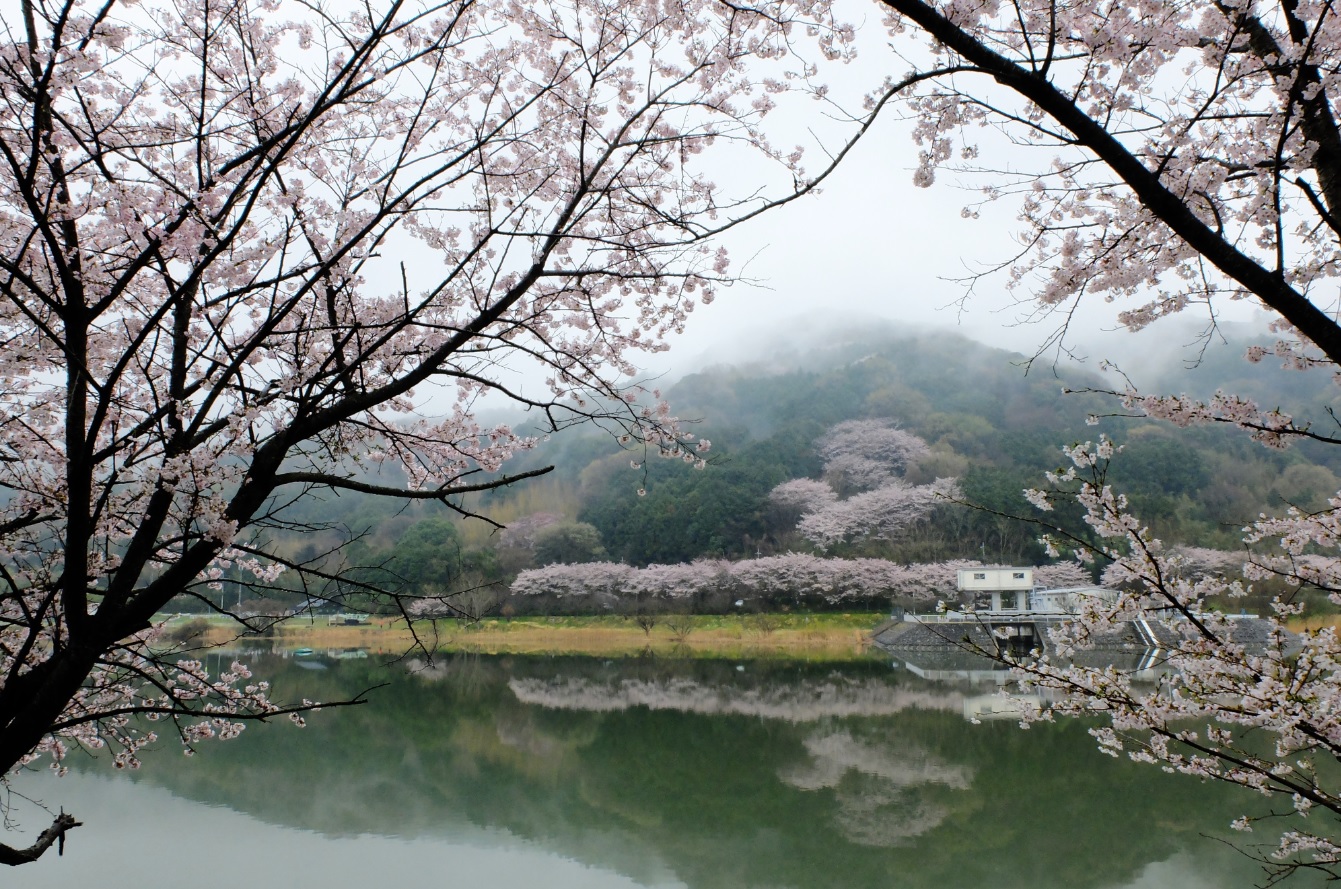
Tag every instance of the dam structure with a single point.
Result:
(1003, 612)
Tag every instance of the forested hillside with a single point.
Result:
(986, 422)
(975, 420)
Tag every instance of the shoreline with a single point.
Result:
(827, 637)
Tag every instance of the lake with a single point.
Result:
(644, 772)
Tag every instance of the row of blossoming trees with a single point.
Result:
(718, 585)
(864, 496)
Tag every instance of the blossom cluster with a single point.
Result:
(784, 579)
(1222, 682)
(870, 458)
(132, 692)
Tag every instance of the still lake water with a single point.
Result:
(504, 772)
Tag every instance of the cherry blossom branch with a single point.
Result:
(1159, 194)
(197, 310)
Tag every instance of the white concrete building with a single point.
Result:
(1069, 600)
(998, 581)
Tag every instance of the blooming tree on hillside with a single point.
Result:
(1193, 562)
(881, 514)
(802, 495)
(862, 455)
(869, 457)
(248, 249)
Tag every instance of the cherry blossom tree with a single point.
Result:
(1187, 153)
(802, 495)
(1061, 575)
(868, 457)
(584, 580)
(1184, 155)
(1224, 680)
(253, 252)
(882, 514)
(862, 455)
(1194, 562)
(790, 578)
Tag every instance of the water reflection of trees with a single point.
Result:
(884, 791)
(785, 775)
(791, 700)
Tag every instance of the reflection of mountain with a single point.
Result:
(794, 701)
(780, 775)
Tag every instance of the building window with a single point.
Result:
(980, 577)
(1019, 575)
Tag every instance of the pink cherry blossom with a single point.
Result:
(1222, 681)
(869, 457)
(257, 251)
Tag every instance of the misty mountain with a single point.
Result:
(989, 419)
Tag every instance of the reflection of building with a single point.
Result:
(997, 697)
(1000, 706)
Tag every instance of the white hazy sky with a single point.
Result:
(872, 250)
(874, 246)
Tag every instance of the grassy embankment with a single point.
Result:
(1315, 622)
(798, 636)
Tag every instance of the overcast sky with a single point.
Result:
(874, 246)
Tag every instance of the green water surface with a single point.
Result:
(512, 771)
